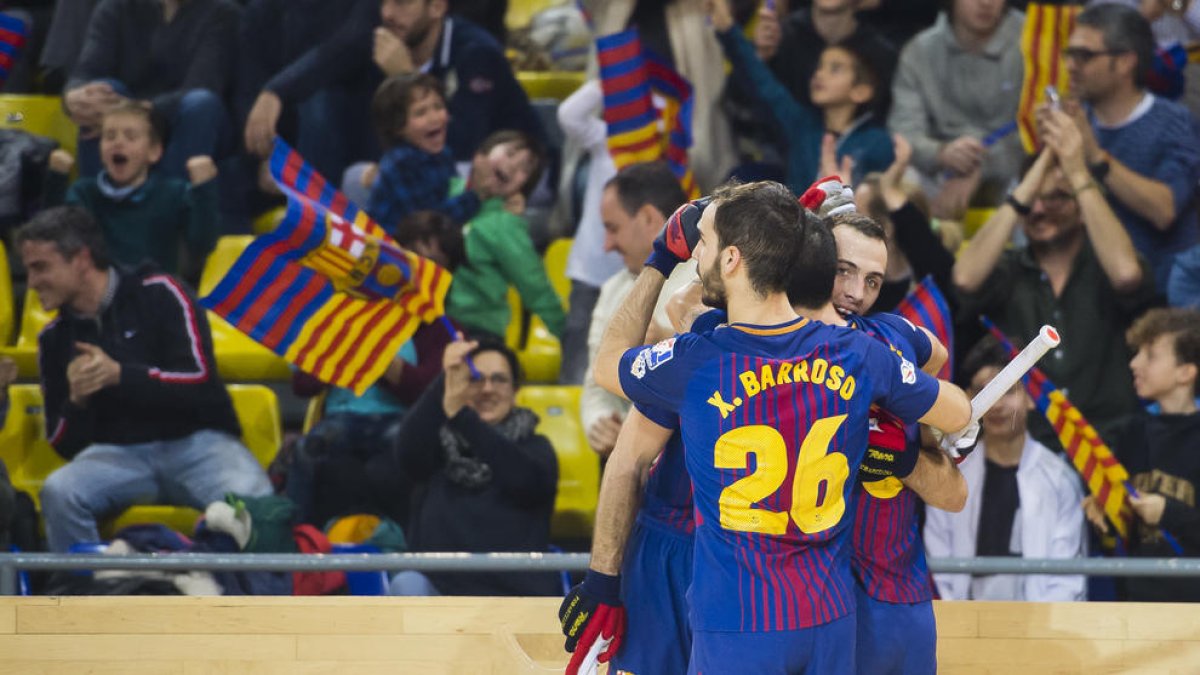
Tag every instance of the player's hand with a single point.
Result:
(674, 244)
(888, 451)
(1149, 507)
(828, 196)
(593, 621)
(958, 445)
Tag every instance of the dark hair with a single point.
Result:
(988, 352)
(867, 71)
(154, 119)
(71, 229)
(861, 223)
(489, 343)
(767, 225)
(1182, 324)
(650, 183)
(813, 272)
(426, 225)
(523, 141)
(393, 98)
(1125, 30)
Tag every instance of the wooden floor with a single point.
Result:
(357, 636)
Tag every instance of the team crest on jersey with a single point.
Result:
(638, 369)
(908, 372)
(660, 353)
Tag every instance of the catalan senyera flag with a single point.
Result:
(637, 130)
(13, 34)
(926, 306)
(1105, 477)
(1048, 25)
(328, 290)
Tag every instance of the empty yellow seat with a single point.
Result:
(23, 445)
(33, 320)
(238, 357)
(541, 356)
(257, 410)
(974, 220)
(41, 115)
(556, 85)
(516, 319)
(6, 298)
(578, 467)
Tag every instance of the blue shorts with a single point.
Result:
(825, 649)
(654, 583)
(895, 639)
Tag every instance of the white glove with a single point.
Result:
(960, 444)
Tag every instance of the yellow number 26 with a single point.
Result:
(817, 500)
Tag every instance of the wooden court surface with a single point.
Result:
(364, 635)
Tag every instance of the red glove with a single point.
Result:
(888, 452)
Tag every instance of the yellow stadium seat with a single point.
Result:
(262, 432)
(238, 357)
(541, 357)
(556, 85)
(6, 298)
(974, 220)
(268, 221)
(23, 445)
(578, 466)
(41, 115)
(516, 320)
(33, 320)
(520, 12)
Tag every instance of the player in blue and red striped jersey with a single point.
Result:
(772, 588)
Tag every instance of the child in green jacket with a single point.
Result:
(499, 250)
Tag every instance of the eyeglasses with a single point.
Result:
(1056, 200)
(495, 379)
(1083, 55)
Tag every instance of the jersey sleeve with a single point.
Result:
(899, 386)
(663, 418)
(657, 375)
(918, 340)
(708, 321)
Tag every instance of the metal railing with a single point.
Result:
(11, 563)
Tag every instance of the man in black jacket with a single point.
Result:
(132, 396)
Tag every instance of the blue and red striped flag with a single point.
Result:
(637, 130)
(328, 290)
(926, 306)
(13, 33)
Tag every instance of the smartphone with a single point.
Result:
(1052, 97)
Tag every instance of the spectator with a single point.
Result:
(1159, 450)
(634, 205)
(143, 216)
(499, 250)
(487, 14)
(338, 467)
(409, 114)
(173, 56)
(678, 31)
(488, 479)
(1079, 273)
(484, 95)
(305, 69)
(843, 95)
(914, 248)
(1022, 500)
(792, 47)
(131, 397)
(957, 83)
(590, 264)
(1142, 149)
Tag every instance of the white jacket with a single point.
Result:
(1050, 523)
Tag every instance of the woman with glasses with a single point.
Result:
(486, 480)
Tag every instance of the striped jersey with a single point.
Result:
(887, 555)
(774, 424)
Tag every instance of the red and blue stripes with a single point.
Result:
(926, 306)
(13, 34)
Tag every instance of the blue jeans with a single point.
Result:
(200, 126)
(105, 479)
(411, 583)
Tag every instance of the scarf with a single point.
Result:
(463, 468)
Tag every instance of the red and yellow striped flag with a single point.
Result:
(1047, 28)
(328, 290)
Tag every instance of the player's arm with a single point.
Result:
(628, 326)
(938, 355)
(937, 481)
(951, 410)
(592, 617)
